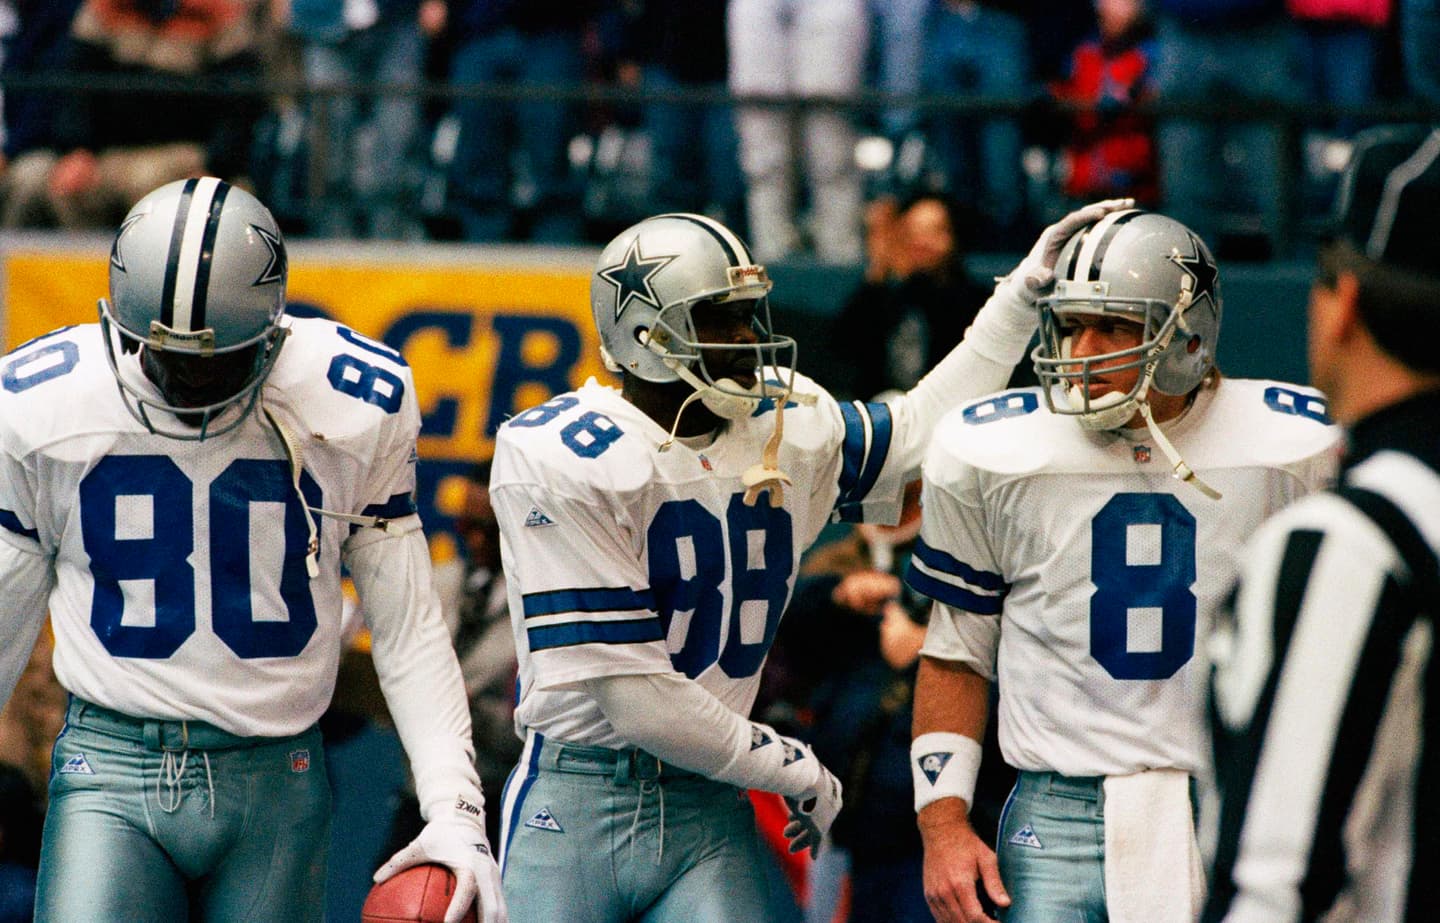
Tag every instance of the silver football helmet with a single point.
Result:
(1137, 266)
(197, 289)
(646, 282)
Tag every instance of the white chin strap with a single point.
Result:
(728, 400)
(1180, 470)
(733, 404)
(294, 455)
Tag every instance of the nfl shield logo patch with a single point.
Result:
(1142, 454)
(299, 760)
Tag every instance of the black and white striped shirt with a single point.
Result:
(1324, 696)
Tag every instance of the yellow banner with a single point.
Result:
(484, 338)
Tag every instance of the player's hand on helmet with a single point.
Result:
(458, 843)
(1036, 273)
(957, 865)
(812, 812)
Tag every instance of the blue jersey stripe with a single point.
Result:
(587, 599)
(12, 522)
(852, 450)
(397, 506)
(937, 560)
(569, 634)
(861, 468)
(952, 595)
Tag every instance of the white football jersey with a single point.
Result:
(1070, 567)
(625, 560)
(181, 586)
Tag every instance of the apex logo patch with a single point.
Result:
(77, 764)
(758, 738)
(932, 764)
(793, 754)
(536, 518)
(1025, 836)
(299, 760)
(544, 820)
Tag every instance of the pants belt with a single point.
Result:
(1082, 788)
(157, 733)
(627, 765)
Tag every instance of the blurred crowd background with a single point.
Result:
(561, 121)
(889, 139)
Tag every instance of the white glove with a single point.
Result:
(1036, 273)
(812, 812)
(458, 843)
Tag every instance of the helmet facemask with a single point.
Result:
(181, 382)
(1076, 378)
(675, 339)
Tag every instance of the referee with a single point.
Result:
(1326, 700)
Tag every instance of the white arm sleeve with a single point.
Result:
(28, 576)
(981, 364)
(677, 720)
(415, 662)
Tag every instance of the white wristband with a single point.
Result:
(944, 766)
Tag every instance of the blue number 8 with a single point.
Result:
(677, 524)
(591, 434)
(1294, 403)
(161, 555)
(541, 414)
(1161, 581)
(367, 386)
(1009, 404)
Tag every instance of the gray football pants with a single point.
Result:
(159, 821)
(610, 836)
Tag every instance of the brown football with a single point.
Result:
(419, 894)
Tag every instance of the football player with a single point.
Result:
(650, 536)
(180, 484)
(1077, 566)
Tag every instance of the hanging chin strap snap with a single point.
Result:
(767, 475)
(294, 455)
(1180, 470)
(728, 404)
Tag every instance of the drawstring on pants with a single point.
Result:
(172, 776)
(646, 787)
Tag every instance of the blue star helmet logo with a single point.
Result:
(274, 270)
(1200, 268)
(631, 278)
(117, 259)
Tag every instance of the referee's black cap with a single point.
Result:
(1388, 203)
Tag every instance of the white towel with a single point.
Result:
(1152, 860)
